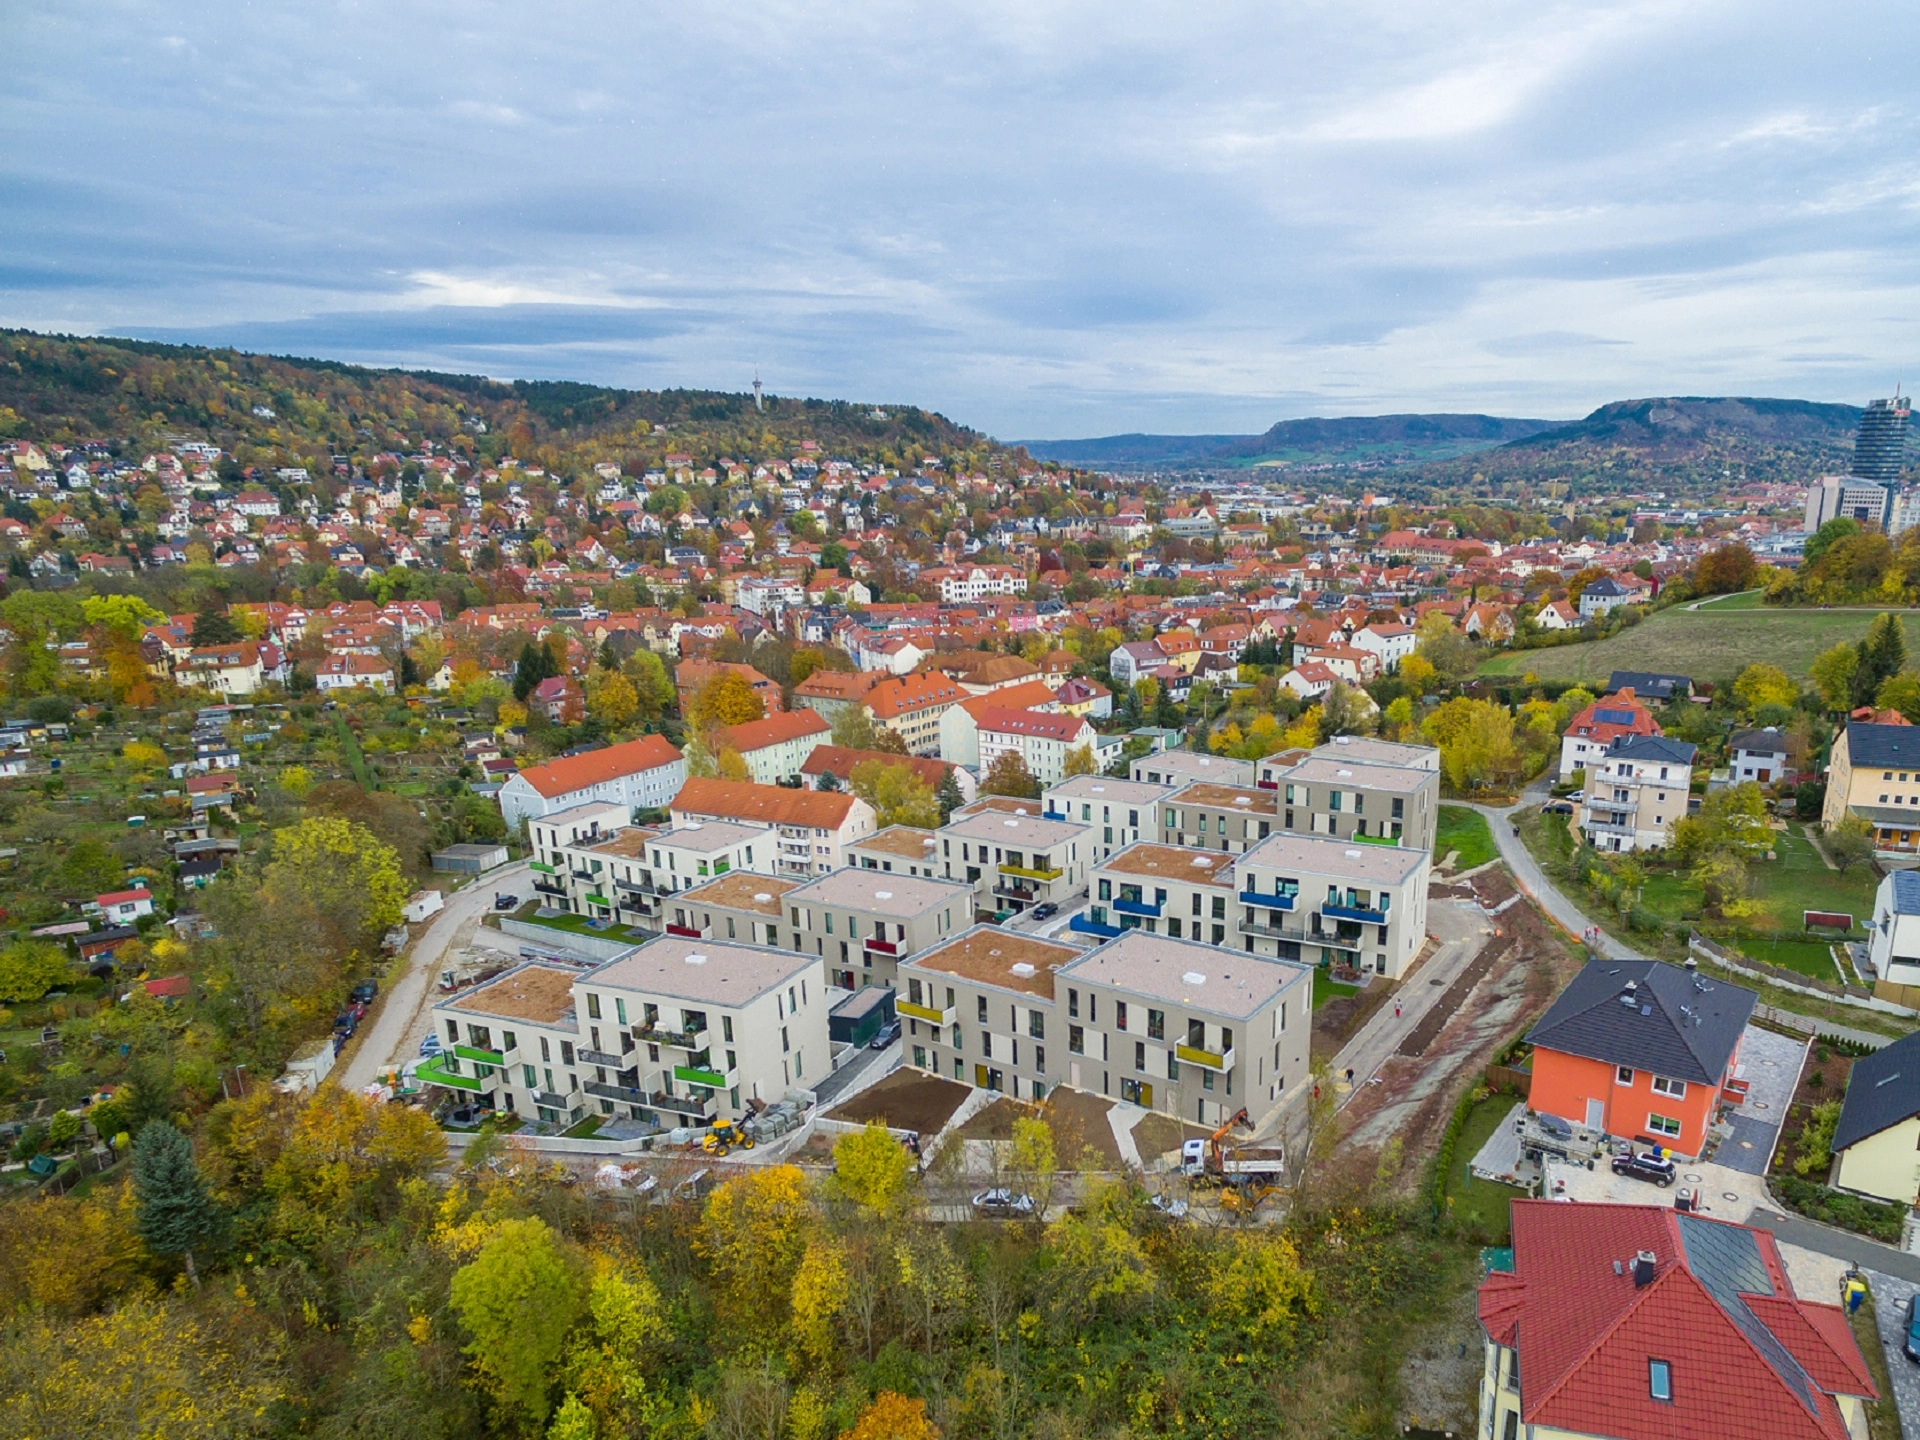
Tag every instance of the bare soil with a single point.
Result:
(1832, 1075)
(1079, 1122)
(995, 1121)
(1338, 1021)
(905, 1100)
(1440, 1378)
(1157, 1134)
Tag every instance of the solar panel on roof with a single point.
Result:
(1613, 717)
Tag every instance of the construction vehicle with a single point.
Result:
(1212, 1159)
(1245, 1194)
(723, 1137)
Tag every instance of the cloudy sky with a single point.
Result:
(1044, 219)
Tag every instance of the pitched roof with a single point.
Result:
(906, 693)
(1618, 714)
(1747, 1355)
(1651, 749)
(1651, 683)
(1032, 722)
(597, 767)
(1888, 746)
(1883, 1088)
(769, 804)
(1027, 695)
(836, 685)
(838, 761)
(1679, 1025)
(775, 729)
(1760, 742)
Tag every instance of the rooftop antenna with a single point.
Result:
(758, 403)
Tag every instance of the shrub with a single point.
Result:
(1849, 1212)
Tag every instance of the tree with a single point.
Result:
(1417, 672)
(872, 1168)
(1080, 761)
(1900, 692)
(893, 1416)
(897, 795)
(652, 686)
(1476, 742)
(1760, 685)
(536, 663)
(1832, 672)
(1345, 710)
(1883, 654)
(29, 969)
(752, 1235)
(699, 758)
(948, 796)
(518, 1298)
(1824, 539)
(730, 764)
(1733, 820)
(213, 626)
(1008, 775)
(297, 781)
(1723, 571)
(174, 1213)
(853, 728)
(1850, 842)
(726, 699)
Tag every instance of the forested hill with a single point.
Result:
(288, 410)
(1346, 439)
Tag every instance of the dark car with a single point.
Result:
(887, 1034)
(1644, 1165)
(505, 902)
(1912, 1343)
(1557, 807)
(1046, 911)
(364, 992)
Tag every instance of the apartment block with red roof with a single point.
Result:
(911, 706)
(1043, 741)
(776, 747)
(1636, 1322)
(1588, 735)
(813, 827)
(644, 774)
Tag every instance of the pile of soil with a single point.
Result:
(1157, 1134)
(905, 1100)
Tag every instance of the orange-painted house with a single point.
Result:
(1640, 1050)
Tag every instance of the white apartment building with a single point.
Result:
(776, 747)
(1120, 812)
(590, 861)
(1328, 902)
(1042, 740)
(1185, 1029)
(1345, 800)
(974, 582)
(1636, 792)
(812, 828)
(642, 774)
(1174, 768)
(1212, 816)
(863, 924)
(1389, 644)
(1015, 861)
(898, 849)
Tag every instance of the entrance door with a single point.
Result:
(1073, 1074)
(1596, 1115)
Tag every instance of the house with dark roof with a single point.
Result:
(1639, 1050)
(1635, 790)
(1651, 685)
(1602, 597)
(1757, 755)
(1875, 774)
(1636, 1322)
(1893, 937)
(1876, 1146)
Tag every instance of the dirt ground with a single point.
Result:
(906, 1100)
(995, 1120)
(1524, 966)
(1833, 1074)
(1338, 1021)
(1079, 1122)
(1440, 1378)
(1157, 1134)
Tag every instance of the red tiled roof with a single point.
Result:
(1032, 722)
(838, 761)
(906, 693)
(1024, 696)
(769, 804)
(596, 767)
(1588, 726)
(775, 729)
(122, 897)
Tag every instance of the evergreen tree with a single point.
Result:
(948, 796)
(211, 626)
(1883, 654)
(536, 664)
(173, 1211)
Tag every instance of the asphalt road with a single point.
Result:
(388, 1039)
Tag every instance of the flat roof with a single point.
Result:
(1024, 831)
(581, 811)
(1110, 790)
(987, 955)
(1249, 798)
(1339, 770)
(1182, 972)
(538, 994)
(1368, 750)
(706, 836)
(909, 842)
(1170, 862)
(740, 890)
(854, 887)
(1191, 762)
(999, 805)
(1377, 864)
(705, 971)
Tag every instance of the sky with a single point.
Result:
(1045, 220)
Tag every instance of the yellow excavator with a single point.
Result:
(724, 1136)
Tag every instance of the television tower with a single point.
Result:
(758, 403)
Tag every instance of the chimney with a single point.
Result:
(1643, 1268)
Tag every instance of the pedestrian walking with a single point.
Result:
(1396, 1009)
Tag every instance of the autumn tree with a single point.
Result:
(872, 1168)
(1725, 570)
(30, 968)
(752, 1235)
(1080, 761)
(611, 698)
(893, 1416)
(1008, 775)
(1850, 842)
(652, 686)
(725, 700)
(174, 1214)
(518, 1298)
(730, 764)
(1761, 685)
(1833, 674)
(898, 796)
(1346, 710)
(854, 729)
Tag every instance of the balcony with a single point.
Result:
(677, 1039)
(1014, 892)
(626, 1094)
(595, 898)
(1031, 872)
(601, 1057)
(1082, 925)
(1274, 901)
(637, 887)
(1148, 908)
(1299, 935)
(681, 1105)
(435, 1072)
(1212, 1060)
(550, 887)
(882, 947)
(1054, 815)
(712, 1079)
(927, 1012)
(687, 932)
(1354, 912)
(479, 1056)
(1270, 932)
(552, 1101)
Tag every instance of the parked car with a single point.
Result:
(1001, 1203)
(364, 992)
(1912, 1344)
(430, 1045)
(1557, 807)
(1046, 911)
(887, 1034)
(1644, 1165)
(505, 902)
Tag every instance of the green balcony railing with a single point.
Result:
(435, 1072)
(479, 1056)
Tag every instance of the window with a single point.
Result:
(1675, 1088)
(1076, 1040)
(1660, 1380)
(1139, 1055)
(1623, 1076)
(593, 1006)
(620, 1009)
(1663, 1125)
(1036, 1025)
(980, 1008)
(1119, 1014)
(1073, 1003)
(1156, 1025)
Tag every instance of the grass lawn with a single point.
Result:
(1716, 642)
(1481, 1204)
(583, 1129)
(577, 924)
(1324, 989)
(1464, 830)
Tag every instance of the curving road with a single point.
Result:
(387, 1040)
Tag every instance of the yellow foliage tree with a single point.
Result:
(752, 1235)
(611, 698)
(1304, 733)
(872, 1168)
(1256, 1282)
(732, 765)
(893, 1417)
(818, 1297)
(1765, 685)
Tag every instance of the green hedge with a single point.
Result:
(1833, 1207)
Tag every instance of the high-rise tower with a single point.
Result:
(1879, 447)
(756, 390)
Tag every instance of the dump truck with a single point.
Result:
(1215, 1159)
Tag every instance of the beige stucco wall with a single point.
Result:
(1886, 1166)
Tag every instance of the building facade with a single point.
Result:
(1636, 792)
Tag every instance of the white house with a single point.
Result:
(775, 748)
(1602, 597)
(1635, 792)
(1390, 643)
(1134, 659)
(1042, 741)
(644, 774)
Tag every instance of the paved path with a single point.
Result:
(1825, 1240)
(1462, 930)
(1543, 892)
(1890, 1296)
(388, 1040)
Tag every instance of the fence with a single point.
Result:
(1510, 1077)
(1792, 979)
